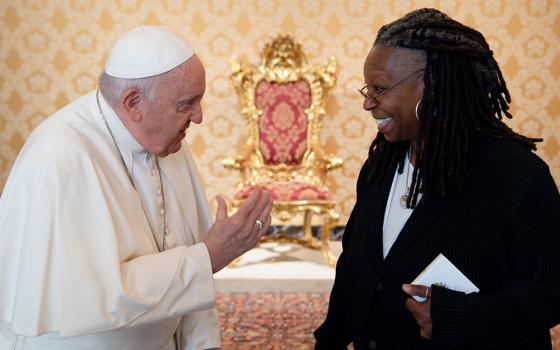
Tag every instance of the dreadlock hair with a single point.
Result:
(464, 90)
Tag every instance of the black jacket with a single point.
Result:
(501, 231)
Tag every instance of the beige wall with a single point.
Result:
(52, 51)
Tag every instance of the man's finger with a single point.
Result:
(247, 207)
(265, 227)
(269, 208)
(257, 212)
(265, 213)
(222, 211)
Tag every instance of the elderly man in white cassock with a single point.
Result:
(106, 239)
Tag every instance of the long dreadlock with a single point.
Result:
(464, 90)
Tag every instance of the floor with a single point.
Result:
(270, 320)
(274, 267)
(281, 287)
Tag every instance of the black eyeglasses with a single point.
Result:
(364, 91)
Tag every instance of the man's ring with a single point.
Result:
(427, 290)
(259, 224)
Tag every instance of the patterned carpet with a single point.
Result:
(274, 321)
(278, 321)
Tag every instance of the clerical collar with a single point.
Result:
(122, 135)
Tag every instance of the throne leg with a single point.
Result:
(331, 219)
(308, 240)
(307, 234)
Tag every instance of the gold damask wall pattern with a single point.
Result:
(51, 52)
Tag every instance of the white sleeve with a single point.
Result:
(199, 330)
(189, 289)
(67, 266)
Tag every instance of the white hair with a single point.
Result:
(112, 87)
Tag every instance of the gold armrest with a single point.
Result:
(233, 163)
(332, 162)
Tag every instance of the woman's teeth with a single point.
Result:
(382, 122)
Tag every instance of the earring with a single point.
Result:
(416, 110)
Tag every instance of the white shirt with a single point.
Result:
(79, 267)
(395, 215)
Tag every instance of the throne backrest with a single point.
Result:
(283, 102)
(283, 122)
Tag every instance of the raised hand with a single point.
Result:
(231, 236)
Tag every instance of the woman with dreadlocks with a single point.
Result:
(445, 175)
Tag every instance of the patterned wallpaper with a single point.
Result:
(51, 52)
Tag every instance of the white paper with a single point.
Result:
(442, 272)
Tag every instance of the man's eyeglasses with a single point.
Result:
(364, 91)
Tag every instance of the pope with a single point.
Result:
(107, 240)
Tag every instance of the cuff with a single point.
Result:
(199, 330)
(447, 311)
(199, 261)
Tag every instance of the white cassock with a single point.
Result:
(79, 267)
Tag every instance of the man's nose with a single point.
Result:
(197, 115)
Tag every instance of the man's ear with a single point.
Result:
(130, 101)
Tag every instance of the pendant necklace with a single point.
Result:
(165, 229)
(404, 197)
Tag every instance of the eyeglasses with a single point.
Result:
(381, 91)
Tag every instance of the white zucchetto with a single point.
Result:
(146, 51)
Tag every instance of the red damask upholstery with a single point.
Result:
(288, 191)
(283, 123)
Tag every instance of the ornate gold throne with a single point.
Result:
(283, 102)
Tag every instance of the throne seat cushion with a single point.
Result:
(288, 191)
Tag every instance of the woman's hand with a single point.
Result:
(420, 310)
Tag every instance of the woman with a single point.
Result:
(445, 175)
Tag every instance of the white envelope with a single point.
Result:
(443, 273)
